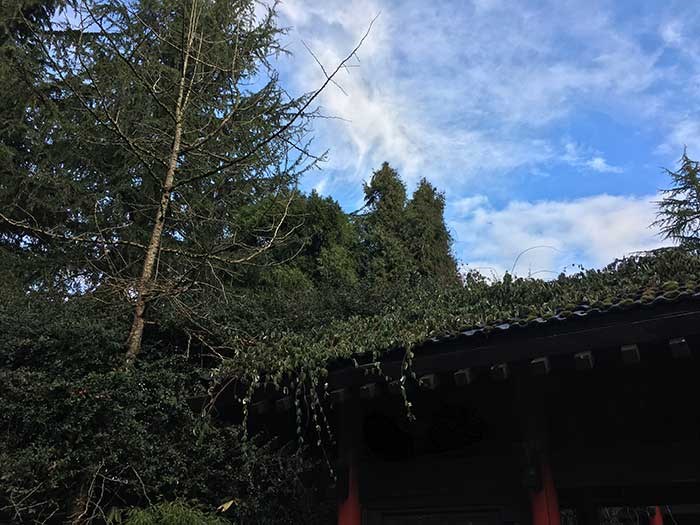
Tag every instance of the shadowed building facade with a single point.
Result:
(548, 421)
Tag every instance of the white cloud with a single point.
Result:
(601, 165)
(546, 237)
(469, 88)
(681, 119)
(321, 185)
(684, 133)
(577, 156)
(466, 93)
(386, 115)
(671, 33)
(466, 205)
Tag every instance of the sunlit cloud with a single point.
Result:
(549, 237)
(479, 96)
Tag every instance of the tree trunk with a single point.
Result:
(79, 506)
(149, 264)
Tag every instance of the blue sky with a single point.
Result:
(545, 123)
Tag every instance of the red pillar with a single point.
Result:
(350, 445)
(657, 518)
(349, 509)
(545, 503)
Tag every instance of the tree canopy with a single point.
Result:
(405, 237)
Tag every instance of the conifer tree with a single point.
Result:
(388, 259)
(403, 237)
(679, 209)
(426, 234)
(167, 146)
(385, 196)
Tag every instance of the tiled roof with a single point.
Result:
(645, 298)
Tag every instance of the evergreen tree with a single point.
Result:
(23, 122)
(167, 145)
(20, 18)
(387, 259)
(426, 235)
(331, 244)
(405, 238)
(385, 197)
(679, 209)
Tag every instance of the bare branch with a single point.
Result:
(324, 69)
(287, 125)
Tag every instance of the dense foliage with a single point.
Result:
(80, 435)
(679, 209)
(74, 416)
(253, 283)
(412, 314)
(175, 513)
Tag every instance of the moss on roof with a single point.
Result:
(420, 313)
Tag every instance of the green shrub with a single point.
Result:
(170, 513)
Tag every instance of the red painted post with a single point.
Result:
(350, 445)
(349, 509)
(545, 503)
(657, 518)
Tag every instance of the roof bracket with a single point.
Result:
(463, 377)
(630, 354)
(540, 366)
(584, 360)
(500, 372)
(679, 348)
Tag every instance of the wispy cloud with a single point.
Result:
(684, 133)
(477, 95)
(469, 86)
(577, 156)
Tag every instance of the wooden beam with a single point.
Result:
(545, 502)
(657, 517)
(349, 451)
(531, 405)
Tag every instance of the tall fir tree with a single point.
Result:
(24, 118)
(426, 234)
(385, 197)
(405, 239)
(387, 259)
(168, 147)
(679, 209)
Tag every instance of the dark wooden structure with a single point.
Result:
(583, 412)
